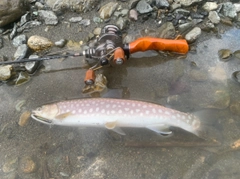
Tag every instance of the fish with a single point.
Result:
(115, 114)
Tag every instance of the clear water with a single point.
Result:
(97, 153)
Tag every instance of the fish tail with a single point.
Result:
(209, 128)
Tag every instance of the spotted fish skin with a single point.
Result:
(116, 113)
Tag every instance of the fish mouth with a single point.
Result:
(41, 119)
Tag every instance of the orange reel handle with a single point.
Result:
(151, 43)
(89, 77)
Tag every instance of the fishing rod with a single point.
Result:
(110, 49)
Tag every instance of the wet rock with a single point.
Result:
(213, 17)
(236, 76)
(28, 25)
(24, 118)
(75, 19)
(122, 23)
(25, 18)
(14, 31)
(49, 17)
(167, 31)
(133, 3)
(1, 42)
(208, 26)
(38, 43)
(210, 6)
(229, 10)
(85, 22)
(133, 15)
(235, 108)
(73, 5)
(97, 31)
(19, 40)
(143, 7)
(21, 52)
(161, 4)
(198, 75)
(11, 10)
(107, 10)
(31, 67)
(27, 165)
(187, 3)
(61, 43)
(185, 27)
(10, 165)
(193, 34)
(237, 54)
(22, 78)
(224, 54)
(5, 72)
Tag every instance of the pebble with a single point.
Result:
(187, 3)
(143, 7)
(49, 17)
(124, 12)
(23, 77)
(213, 17)
(107, 10)
(31, 67)
(27, 165)
(160, 4)
(5, 72)
(229, 10)
(75, 19)
(38, 43)
(85, 22)
(133, 15)
(19, 40)
(224, 54)
(21, 52)
(97, 31)
(10, 165)
(24, 118)
(121, 23)
(210, 6)
(61, 43)
(193, 34)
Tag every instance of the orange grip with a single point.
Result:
(90, 76)
(119, 54)
(151, 43)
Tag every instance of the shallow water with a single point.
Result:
(166, 79)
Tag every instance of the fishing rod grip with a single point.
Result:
(151, 43)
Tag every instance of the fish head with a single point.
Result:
(45, 114)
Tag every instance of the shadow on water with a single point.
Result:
(174, 83)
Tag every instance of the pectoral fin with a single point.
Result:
(113, 126)
(160, 129)
(63, 116)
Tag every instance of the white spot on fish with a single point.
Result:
(147, 112)
(154, 110)
(137, 110)
(166, 112)
(144, 106)
(79, 110)
(112, 111)
(108, 105)
(160, 111)
(85, 112)
(133, 105)
(114, 105)
(73, 111)
(91, 110)
(97, 109)
(120, 111)
(131, 111)
(141, 114)
(103, 111)
(126, 109)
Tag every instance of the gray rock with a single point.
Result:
(75, 19)
(14, 31)
(121, 23)
(31, 67)
(85, 22)
(182, 11)
(187, 3)
(21, 52)
(167, 31)
(143, 7)
(5, 72)
(213, 17)
(48, 16)
(162, 4)
(175, 6)
(11, 10)
(229, 10)
(107, 10)
(117, 14)
(28, 25)
(19, 40)
(25, 18)
(72, 5)
(193, 34)
(210, 6)
(39, 5)
(133, 3)
(133, 14)
(124, 12)
(237, 7)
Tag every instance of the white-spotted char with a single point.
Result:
(116, 113)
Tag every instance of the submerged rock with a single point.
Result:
(224, 54)
(27, 165)
(237, 54)
(10, 165)
(38, 43)
(24, 118)
(5, 72)
(22, 78)
(107, 10)
(193, 34)
(11, 10)
(236, 76)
